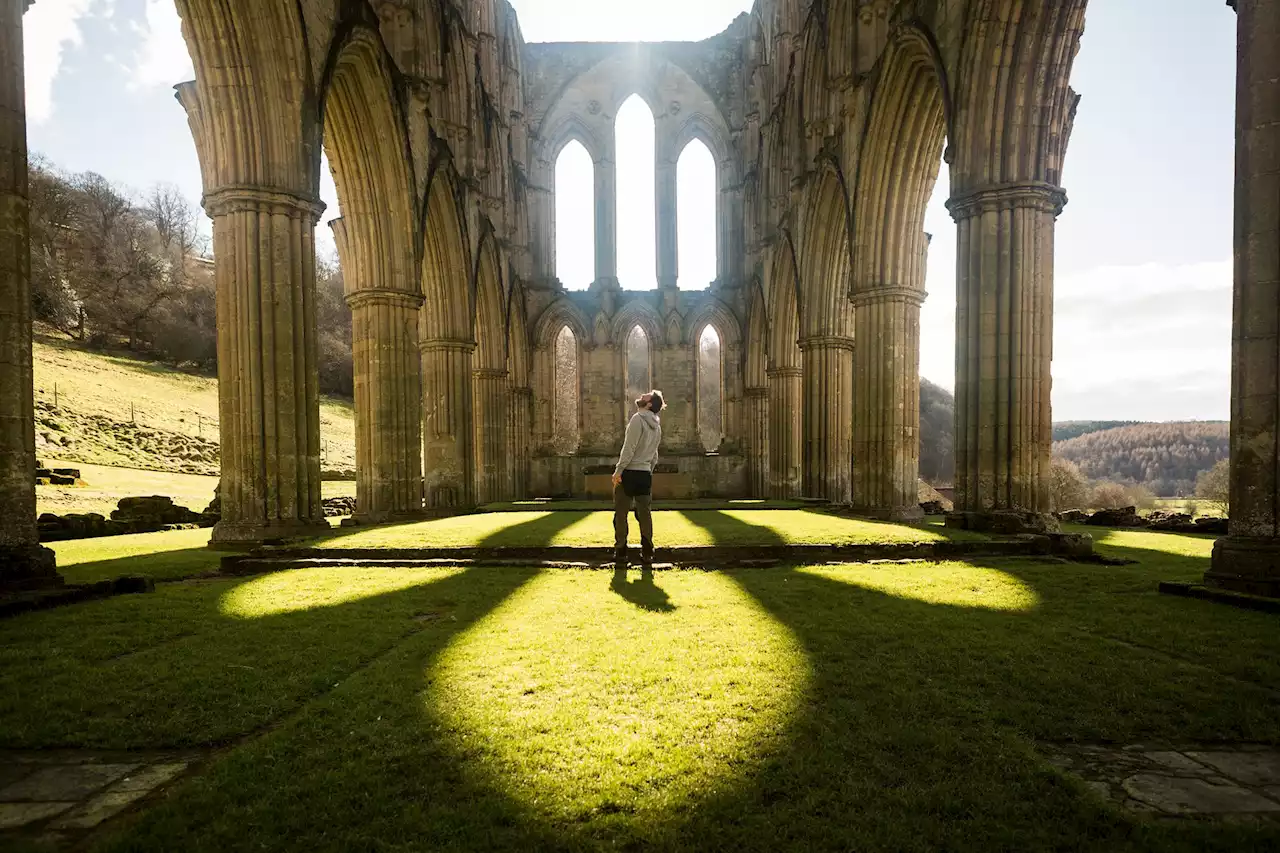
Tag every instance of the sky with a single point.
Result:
(1142, 326)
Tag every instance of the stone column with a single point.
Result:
(786, 432)
(268, 385)
(23, 563)
(828, 412)
(520, 441)
(1248, 559)
(666, 225)
(388, 386)
(606, 219)
(447, 424)
(1004, 346)
(757, 441)
(490, 423)
(886, 403)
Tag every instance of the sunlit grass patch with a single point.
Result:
(953, 584)
(288, 592)
(1178, 544)
(672, 528)
(578, 703)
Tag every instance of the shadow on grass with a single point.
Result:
(728, 530)
(918, 729)
(643, 593)
(163, 566)
(534, 533)
(172, 657)
(934, 524)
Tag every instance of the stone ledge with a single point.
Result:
(1059, 547)
(1243, 600)
(26, 602)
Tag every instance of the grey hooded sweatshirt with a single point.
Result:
(640, 450)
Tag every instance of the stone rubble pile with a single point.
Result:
(1168, 522)
(132, 515)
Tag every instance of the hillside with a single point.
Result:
(1067, 430)
(937, 434)
(109, 410)
(1166, 458)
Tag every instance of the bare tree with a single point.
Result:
(1070, 489)
(1214, 486)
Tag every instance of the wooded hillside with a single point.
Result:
(1166, 458)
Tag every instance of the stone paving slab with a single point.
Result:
(1231, 782)
(57, 796)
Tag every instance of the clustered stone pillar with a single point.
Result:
(1004, 348)
(388, 390)
(492, 414)
(828, 410)
(786, 431)
(23, 563)
(268, 385)
(757, 441)
(521, 440)
(886, 403)
(447, 423)
(1248, 559)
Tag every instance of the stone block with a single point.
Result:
(65, 782)
(1181, 795)
(18, 815)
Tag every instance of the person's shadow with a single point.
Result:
(643, 593)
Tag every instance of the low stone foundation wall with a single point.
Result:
(683, 476)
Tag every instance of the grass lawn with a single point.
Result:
(867, 707)
(105, 486)
(671, 528)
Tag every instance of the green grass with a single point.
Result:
(868, 707)
(171, 410)
(162, 556)
(105, 486)
(742, 527)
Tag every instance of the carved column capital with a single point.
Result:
(392, 298)
(761, 393)
(1033, 194)
(785, 372)
(489, 373)
(270, 200)
(447, 345)
(818, 342)
(888, 293)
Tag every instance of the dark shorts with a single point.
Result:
(637, 483)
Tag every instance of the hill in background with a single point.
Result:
(101, 409)
(1165, 458)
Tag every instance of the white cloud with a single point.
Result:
(48, 29)
(163, 59)
(1142, 342)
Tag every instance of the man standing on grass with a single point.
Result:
(633, 478)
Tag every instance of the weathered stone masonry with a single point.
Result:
(827, 121)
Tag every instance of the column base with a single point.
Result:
(1005, 522)
(900, 514)
(371, 519)
(242, 535)
(28, 567)
(1246, 565)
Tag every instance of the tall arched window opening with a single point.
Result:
(696, 216)
(937, 347)
(565, 401)
(710, 390)
(575, 217)
(636, 235)
(639, 379)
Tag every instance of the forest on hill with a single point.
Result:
(114, 271)
(1164, 458)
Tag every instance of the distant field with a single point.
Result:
(105, 486)
(109, 410)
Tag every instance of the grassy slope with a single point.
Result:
(94, 396)
(869, 707)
